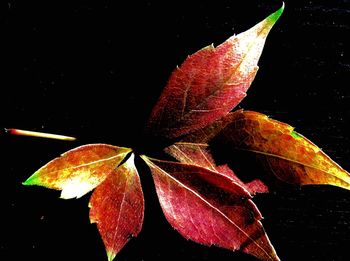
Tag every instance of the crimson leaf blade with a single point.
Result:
(210, 83)
(199, 154)
(210, 208)
(117, 206)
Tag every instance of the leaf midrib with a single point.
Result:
(295, 161)
(184, 116)
(215, 208)
(86, 164)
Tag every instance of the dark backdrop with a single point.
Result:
(94, 71)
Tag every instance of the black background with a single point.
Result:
(94, 71)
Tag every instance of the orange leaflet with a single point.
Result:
(79, 170)
(199, 154)
(210, 208)
(210, 83)
(289, 156)
(117, 206)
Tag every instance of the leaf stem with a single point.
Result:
(38, 134)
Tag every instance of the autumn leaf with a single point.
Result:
(210, 208)
(79, 170)
(117, 206)
(210, 83)
(199, 154)
(289, 156)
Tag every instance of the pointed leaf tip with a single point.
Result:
(286, 154)
(210, 83)
(31, 180)
(276, 15)
(210, 208)
(117, 207)
(80, 170)
(111, 255)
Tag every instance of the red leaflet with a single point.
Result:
(199, 154)
(80, 170)
(288, 155)
(210, 83)
(210, 208)
(117, 206)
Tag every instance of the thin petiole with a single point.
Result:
(38, 134)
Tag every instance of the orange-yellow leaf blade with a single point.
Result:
(117, 206)
(210, 83)
(290, 156)
(79, 170)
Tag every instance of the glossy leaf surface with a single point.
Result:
(79, 170)
(210, 83)
(117, 206)
(210, 208)
(288, 155)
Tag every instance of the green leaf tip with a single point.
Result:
(32, 180)
(272, 18)
(111, 255)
